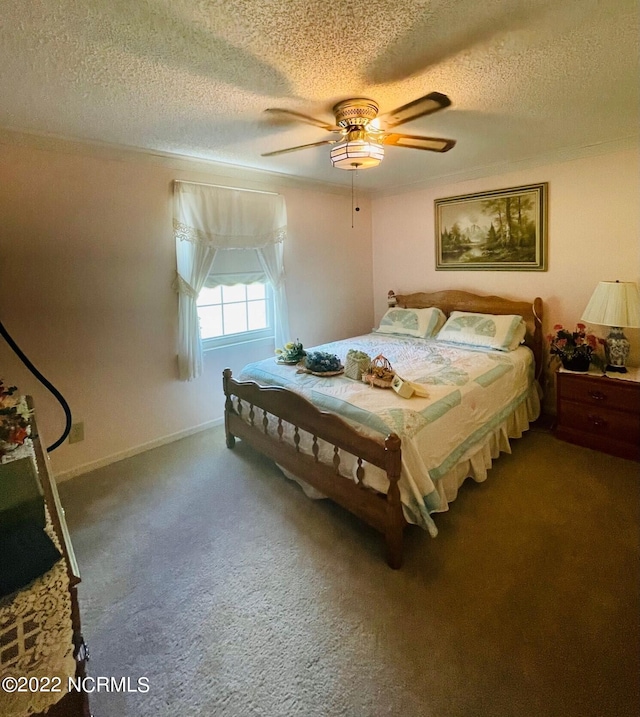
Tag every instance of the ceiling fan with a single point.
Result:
(361, 134)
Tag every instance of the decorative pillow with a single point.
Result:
(422, 323)
(501, 332)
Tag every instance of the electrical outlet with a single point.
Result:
(76, 434)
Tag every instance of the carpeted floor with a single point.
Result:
(207, 572)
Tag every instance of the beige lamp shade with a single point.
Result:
(614, 303)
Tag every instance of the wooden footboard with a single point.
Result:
(248, 407)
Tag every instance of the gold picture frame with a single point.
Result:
(498, 230)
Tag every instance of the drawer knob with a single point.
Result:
(597, 395)
(596, 421)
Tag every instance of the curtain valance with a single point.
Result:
(228, 218)
(236, 267)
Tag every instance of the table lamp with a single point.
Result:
(615, 304)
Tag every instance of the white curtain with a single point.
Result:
(272, 261)
(194, 260)
(207, 219)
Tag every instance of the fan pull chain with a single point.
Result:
(352, 178)
(354, 198)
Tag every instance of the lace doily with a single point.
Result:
(36, 634)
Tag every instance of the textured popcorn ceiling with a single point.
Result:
(527, 78)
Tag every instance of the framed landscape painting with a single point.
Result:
(500, 230)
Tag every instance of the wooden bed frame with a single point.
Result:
(383, 511)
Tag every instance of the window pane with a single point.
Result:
(210, 321)
(210, 296)
(234, 293)
(239, 312)
(235, 318)
(257, 311)
(256, 291)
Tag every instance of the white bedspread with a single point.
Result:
(478, 399)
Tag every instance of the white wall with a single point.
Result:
(593, 235)
(87, 258)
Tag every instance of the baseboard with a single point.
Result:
(114, 457)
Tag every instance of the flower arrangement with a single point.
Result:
(322, 362)
(291, 352)
(14, 418)
(576, 349)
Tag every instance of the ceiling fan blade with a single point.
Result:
(412, 141)
(426, 105)
(302, 146)
(299, 117)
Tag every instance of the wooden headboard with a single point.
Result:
(453, 300)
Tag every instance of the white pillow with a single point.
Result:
(501, 332)
(421, 323)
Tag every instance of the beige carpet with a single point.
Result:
(212, 575)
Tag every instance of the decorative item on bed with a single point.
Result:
(390, 458)
(357, 363)
(291, 353)
(380, 373)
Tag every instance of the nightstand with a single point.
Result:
(600, 411)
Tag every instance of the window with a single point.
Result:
(211, 220)
(234, 314)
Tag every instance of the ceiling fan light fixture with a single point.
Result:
(363, 133)
(357, 154)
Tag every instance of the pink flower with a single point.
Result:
(581, 327)
(557, 327)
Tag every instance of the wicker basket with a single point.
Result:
(356, 363)
(380, 373)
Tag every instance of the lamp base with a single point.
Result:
(616, 350)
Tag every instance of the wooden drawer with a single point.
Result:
(600, 392)
(598, 420)
(599, 412)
